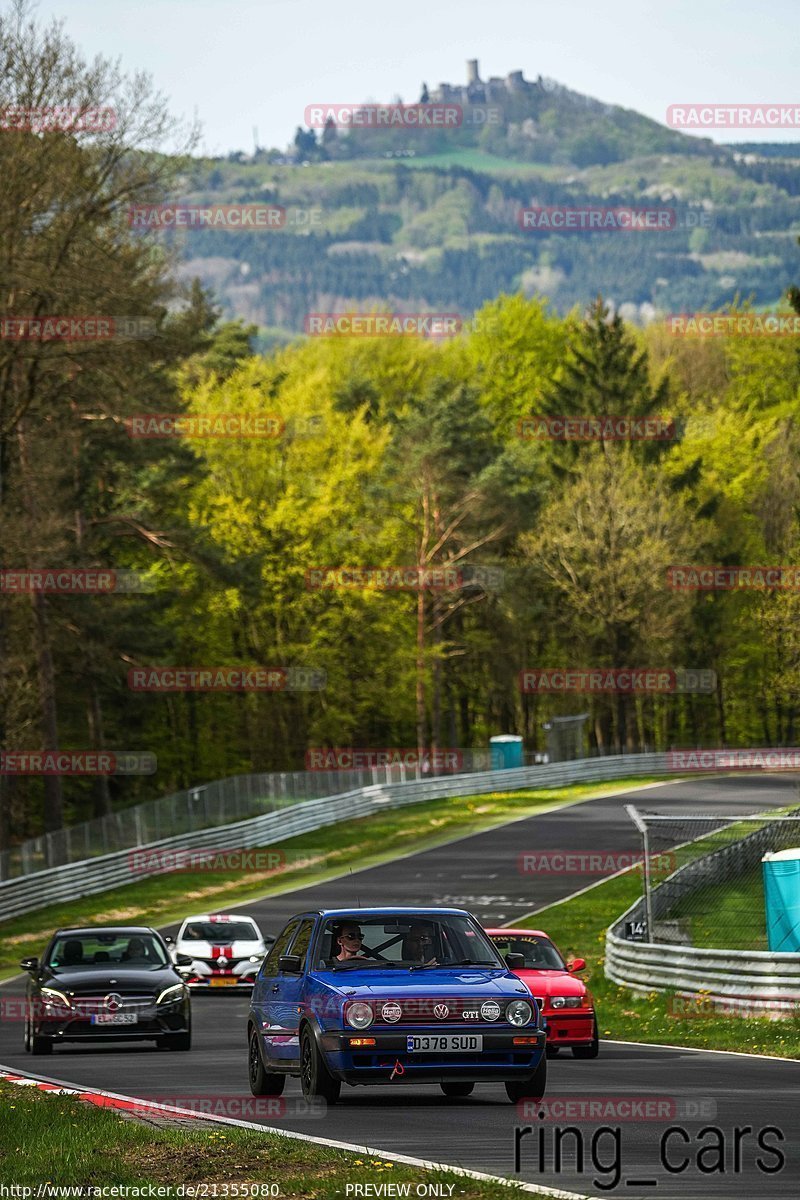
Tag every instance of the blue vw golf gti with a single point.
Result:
(391, 996)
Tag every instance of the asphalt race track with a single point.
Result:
(695, 1089)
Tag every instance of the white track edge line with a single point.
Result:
(704, 1050)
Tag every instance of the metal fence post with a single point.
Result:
(648, 901)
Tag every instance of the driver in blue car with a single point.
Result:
(349, 939)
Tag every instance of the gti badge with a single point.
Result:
(441, 1011)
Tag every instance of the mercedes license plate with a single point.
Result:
(114, 1018)
(444, 1043)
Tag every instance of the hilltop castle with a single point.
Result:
(476, 91)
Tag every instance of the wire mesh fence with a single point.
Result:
(703, 878)
(203, 807)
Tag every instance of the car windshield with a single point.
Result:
(74, 950)
(220, 933)
(539, 952)
(410, 942)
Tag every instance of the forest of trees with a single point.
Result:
(394, 451)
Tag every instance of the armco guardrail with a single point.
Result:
(112, 870)
(757, 977)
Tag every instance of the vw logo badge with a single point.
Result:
(441, 1011)
(112, 1001)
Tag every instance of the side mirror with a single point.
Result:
(577, 964)
(30, 964)
(515, 962)
(290, 963)
(183, 960)
(268, 939)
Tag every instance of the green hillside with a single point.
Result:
(429, 218)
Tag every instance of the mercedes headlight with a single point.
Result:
(359, 1015)
(55, 999)
(171, 995)
(519, 1012)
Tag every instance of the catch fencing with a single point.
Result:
(703, 929)
(98, 874)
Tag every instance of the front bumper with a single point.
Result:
(498, 1061)
(80, 1029)
(233, 983)
(569, 1026)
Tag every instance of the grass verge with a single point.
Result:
(578, 927)
(310, 858)
(55, 1139)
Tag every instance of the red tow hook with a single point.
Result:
(399, 1069)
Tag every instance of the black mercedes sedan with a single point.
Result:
(109, 984)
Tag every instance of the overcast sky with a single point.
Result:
(237, 64)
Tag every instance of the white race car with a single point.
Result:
(226, 951)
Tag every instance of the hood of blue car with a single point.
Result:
(432, 981)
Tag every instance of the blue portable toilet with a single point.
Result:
(782, 899)
(506, 751)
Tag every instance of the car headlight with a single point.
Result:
(519, 1012)
(566, 1001)
(256, 957)
(55, 999)
(171, 995)
(359, 1015)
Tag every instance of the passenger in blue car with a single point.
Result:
(417, 946)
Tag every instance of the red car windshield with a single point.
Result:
(539, 952)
